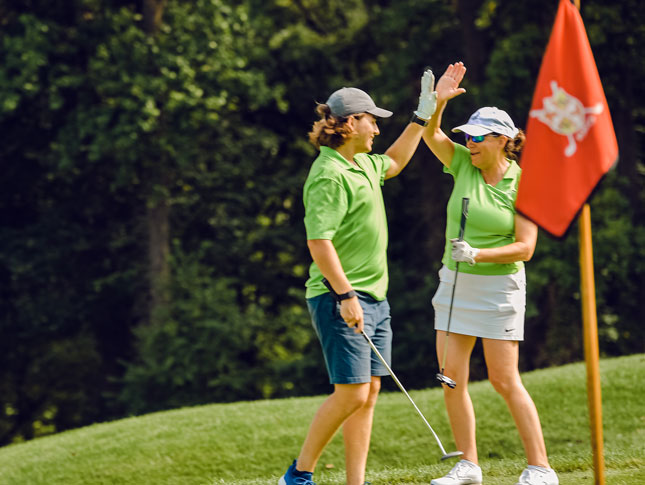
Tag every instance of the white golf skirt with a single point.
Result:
(487, 306)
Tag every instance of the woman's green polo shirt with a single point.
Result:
(344, 204)
(491, 212)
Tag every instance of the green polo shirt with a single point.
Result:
(344, 204)
(491, 212)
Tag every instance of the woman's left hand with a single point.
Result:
(448, 84)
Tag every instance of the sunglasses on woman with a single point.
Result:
(478, 138)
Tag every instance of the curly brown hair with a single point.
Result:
(514, 147)
(329, 130)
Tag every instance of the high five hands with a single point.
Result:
(448, 84)
(428, 97)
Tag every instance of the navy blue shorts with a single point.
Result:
(348, 356)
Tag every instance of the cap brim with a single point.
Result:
(472, 130)
(379, 112)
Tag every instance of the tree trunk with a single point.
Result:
(158, 229)
(157, 214)
(474, 41)
(152, 12)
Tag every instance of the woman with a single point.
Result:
(490, 298)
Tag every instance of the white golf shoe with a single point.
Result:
(463, 473)
(536, 475)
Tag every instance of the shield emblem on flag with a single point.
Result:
(566, 115)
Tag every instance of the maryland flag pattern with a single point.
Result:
(570, 139)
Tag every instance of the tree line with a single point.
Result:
(152, 250)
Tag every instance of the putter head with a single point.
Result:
(454, 454)
(446, 380)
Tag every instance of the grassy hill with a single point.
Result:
(253, 442)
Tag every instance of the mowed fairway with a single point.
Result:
(253, 442)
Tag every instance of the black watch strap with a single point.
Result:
(346, 296)
(336, 296)
(418, 121)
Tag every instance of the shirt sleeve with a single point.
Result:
(457, 164)
(384, 161)
(325, 203)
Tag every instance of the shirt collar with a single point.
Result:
(512, 171)
(334, 155)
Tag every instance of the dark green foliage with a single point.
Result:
(209, 349)
(209, 117)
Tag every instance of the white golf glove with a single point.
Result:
(463, 252)
(428, 97)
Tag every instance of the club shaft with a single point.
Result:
(452, 299)
(398, 383)
(462, 229)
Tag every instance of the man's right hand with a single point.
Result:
(352, 312)
(428, 97)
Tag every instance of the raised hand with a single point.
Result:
(448, 84)
(427, 98)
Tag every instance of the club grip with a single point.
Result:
(464, 216)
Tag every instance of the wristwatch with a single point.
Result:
(345, 296)
(336, 296)
(418, 121)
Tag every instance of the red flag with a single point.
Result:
(570, 139)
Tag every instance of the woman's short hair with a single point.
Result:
(329, 130)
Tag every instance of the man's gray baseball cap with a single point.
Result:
(349, 101)
(488, 120)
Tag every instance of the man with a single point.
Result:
(347, 236)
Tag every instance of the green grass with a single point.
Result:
(253, 442)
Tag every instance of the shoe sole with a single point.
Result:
(282, 481)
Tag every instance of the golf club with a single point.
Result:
(445, 456)
(441, 377)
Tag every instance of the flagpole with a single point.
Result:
(590, 338)
(590, 331)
